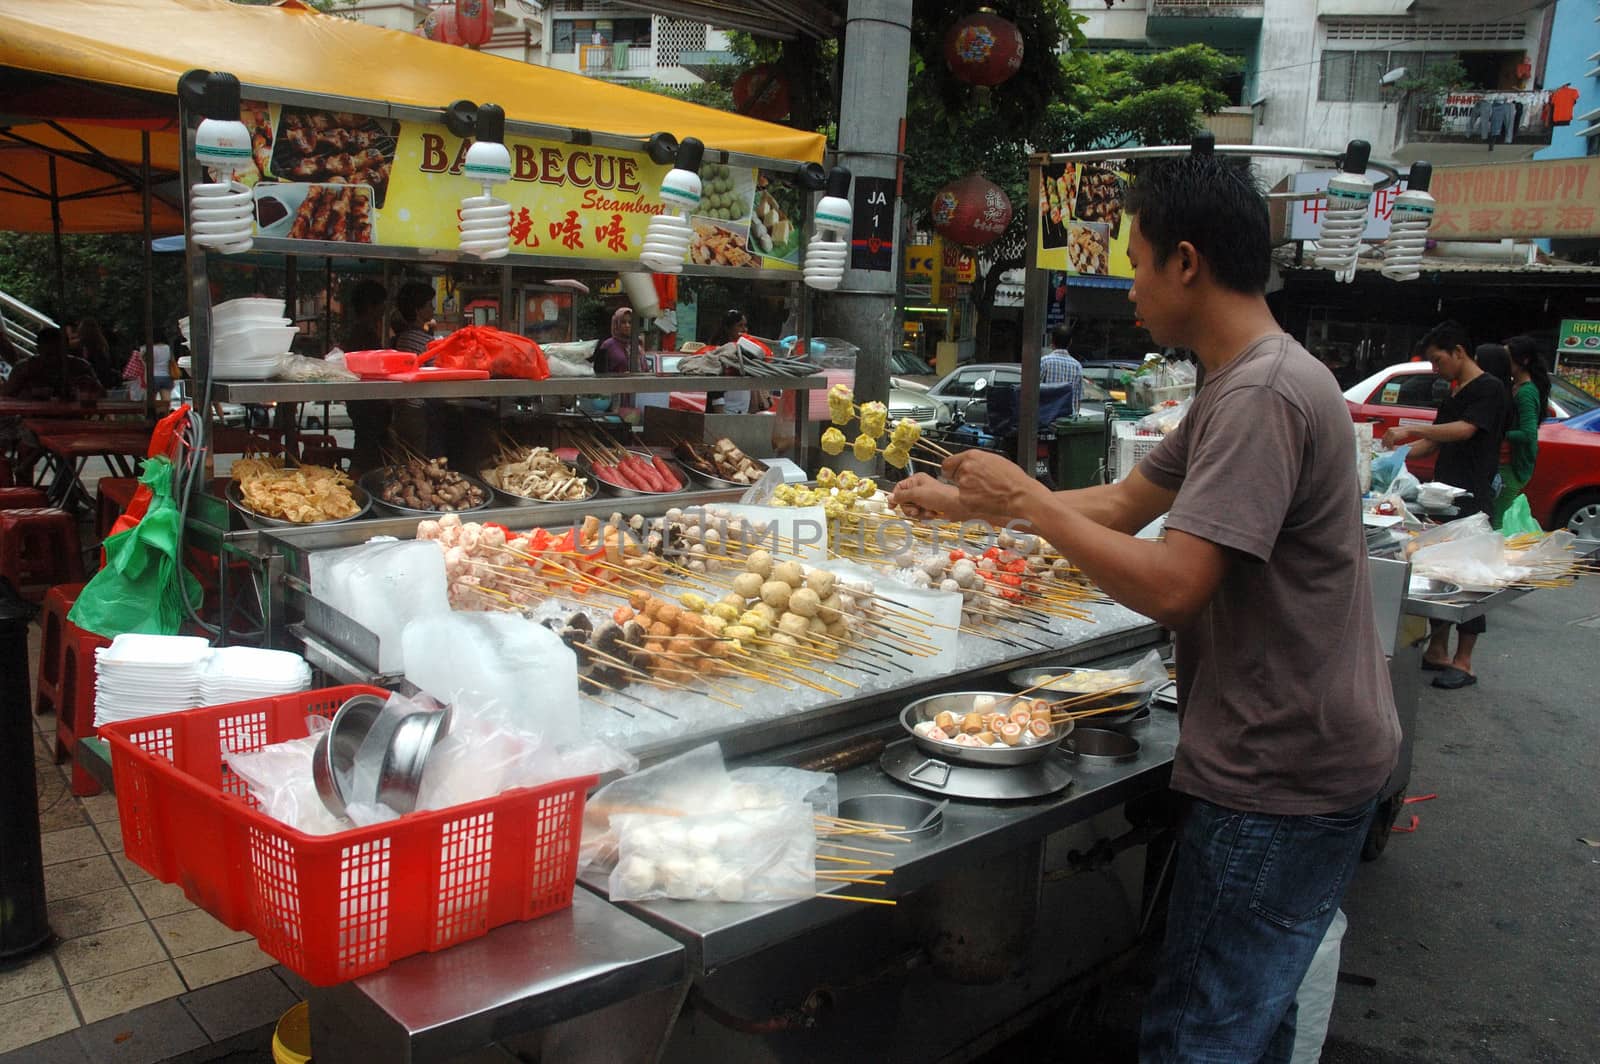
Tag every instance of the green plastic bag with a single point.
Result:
(138, 590)
(1518, 519)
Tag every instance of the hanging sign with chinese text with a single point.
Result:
(358, 179)
(1305, 216)
(1491, 201)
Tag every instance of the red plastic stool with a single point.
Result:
(39, 549)
(53, 624)
(76, 716)
(22, 499)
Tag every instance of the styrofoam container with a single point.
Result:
(257, 343)
(241, 325)
(249, 307)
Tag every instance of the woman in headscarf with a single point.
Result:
(611, 357)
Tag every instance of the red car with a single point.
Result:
(1565, 489)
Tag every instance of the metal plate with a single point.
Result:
(617, 491)
(987, 756)
(1022, 679)
(372, 483)
(1426, 587)
(255, 520)
(907, 764)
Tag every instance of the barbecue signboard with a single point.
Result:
(1082, 227)
(357, 179)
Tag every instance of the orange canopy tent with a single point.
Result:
(102, 70)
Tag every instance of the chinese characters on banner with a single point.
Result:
(1081, 224)
(350, 178)
(1488, 201)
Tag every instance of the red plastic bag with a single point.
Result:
(503, 354)
(163, 444)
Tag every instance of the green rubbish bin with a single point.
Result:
(1080, 451)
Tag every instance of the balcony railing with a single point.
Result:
(602, 60)
(1206, 8)
(1467, 116)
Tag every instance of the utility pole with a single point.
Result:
(872, 109)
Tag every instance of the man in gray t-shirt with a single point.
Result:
(1288, 728)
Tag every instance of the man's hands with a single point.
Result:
(982, 485)
(1398, 435)
(920, 495)
(991, 487)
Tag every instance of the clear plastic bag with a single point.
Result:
(1476, 562)
(280, 780)
(746, 855)
(1164, 419)
(765, 786)
(692, 782)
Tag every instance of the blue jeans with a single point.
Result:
(1252, 896)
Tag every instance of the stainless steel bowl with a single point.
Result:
(254, 520)
(400, 778)
(373, 481)
(1022, 679)
(903, 810)
(1099, 746)
(618, 491)
(701, 477)
(511, 498)
(333, 762)
(960, 702)
(1427, 587)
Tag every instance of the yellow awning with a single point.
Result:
(146, 45)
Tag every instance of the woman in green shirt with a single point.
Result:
(1530, 392)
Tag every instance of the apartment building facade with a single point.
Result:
(1322, 72)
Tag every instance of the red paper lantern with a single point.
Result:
(761, 92)
(440, 25)
(474, 22)
(972, 211)
(983, 49)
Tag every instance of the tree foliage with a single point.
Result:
(104, 280)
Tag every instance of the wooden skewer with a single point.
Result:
(855, 849)
(852, 897)
(859, 823)
(1090, 696)
(842, 860)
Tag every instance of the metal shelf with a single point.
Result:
(338, 391)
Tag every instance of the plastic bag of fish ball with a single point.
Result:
(745, 855)
(695, 781)
(761, 786)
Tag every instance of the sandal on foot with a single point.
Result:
(1454, 679)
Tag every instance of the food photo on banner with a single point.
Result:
(361, 179)
(1082, 229)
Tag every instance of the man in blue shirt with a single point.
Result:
(1059, 368)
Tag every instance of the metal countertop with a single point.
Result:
(715, 934)
(517, 978)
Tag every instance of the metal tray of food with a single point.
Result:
(1430, 588)
(1022, 679)
(585, 468)
(512, 498)
(252, 519)
(961, 703)
(710, 480)
(372, 480)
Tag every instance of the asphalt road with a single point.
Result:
(1478, 934)
(1482, 927)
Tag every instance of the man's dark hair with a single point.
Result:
(367, 296)
(1446, 336)
(1215, 205)
(1061, 336)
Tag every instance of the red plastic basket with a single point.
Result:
(333, 907)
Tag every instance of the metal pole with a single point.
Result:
(149, 281)
(55, 237)
(1033, 315)
(877, 56)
